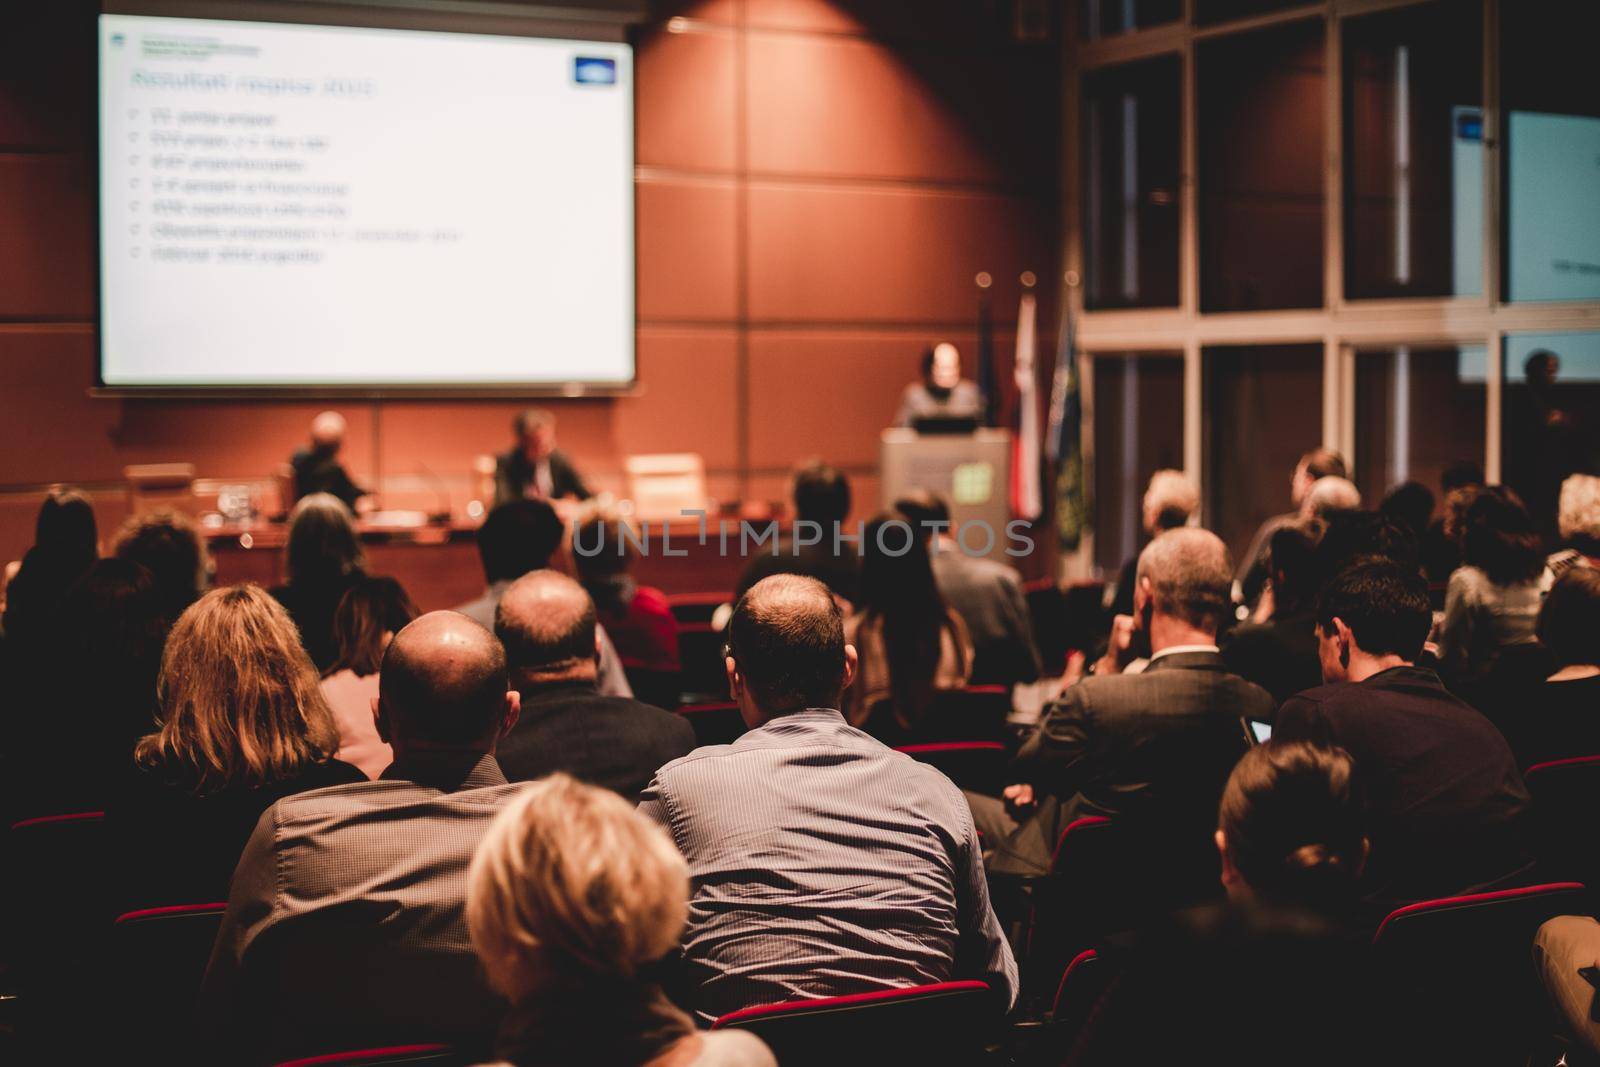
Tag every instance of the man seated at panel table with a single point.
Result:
(534, 468)
(317, 468)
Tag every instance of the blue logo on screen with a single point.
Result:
(594, 70)
(117, 40)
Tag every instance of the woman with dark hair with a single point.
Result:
(909, 643)
(1289, 938)
(1561, 716)
(65, 545)
(322, 560)
(240, 723)
(1493, 598)
(369, 614)
(112, 627)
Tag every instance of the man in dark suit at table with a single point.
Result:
(1447, 809)
(317, 469)
(535, 468)
(547, 624)
(1155, 746)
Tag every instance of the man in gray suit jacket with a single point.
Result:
(1156, 747)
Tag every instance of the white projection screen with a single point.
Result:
(306, 206)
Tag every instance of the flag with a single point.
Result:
(1026, 500)
(988, 393)
(1065, 444)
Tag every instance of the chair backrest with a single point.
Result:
(1566, 793)
(977, 712)
(697, 607)
(1459, 969)
(439, 1055)
(156, 959)
(658, 687)
(716, 723)
(975, 765)
(945, 1023)
(700, 662)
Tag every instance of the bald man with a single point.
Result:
(547, 623)
(344, 925)
(317, 468)
(1155, 746)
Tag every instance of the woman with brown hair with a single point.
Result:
(1492, 601)
(240, 724)
(322, 560)
(371, 612)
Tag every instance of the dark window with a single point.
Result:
(1261, 169)
(1418, 410)
(1106, 18)
(1263, 408)
(1138, 430)
(1131, 141)
(1413, 128)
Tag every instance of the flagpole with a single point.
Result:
(987, 386)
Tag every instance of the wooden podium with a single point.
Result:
(971, 471)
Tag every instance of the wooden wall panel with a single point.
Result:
(691, 401)
(687, 100)
(688, 250)
(47, 222)
(50, 428)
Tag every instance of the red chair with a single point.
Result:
(1566, 794)
(950, 1022)
(976, 765)
(155, 961)
(1106, 877)
(717, 723)
(439, 1055)
(1459, 970)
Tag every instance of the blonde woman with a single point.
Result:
(572, 901)
(241, 722)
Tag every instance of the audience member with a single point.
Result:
(1560, 717)
(112, 628)
(821, 862)
(65, 546)
(322, 560)
(317, 468)
(1170, 501)
(1447, 803)
(345, 925)
(985, 593)
(370, 613)
(1579, 522)
(518, 537)
(1279, 653)
(1493, 598)
(910, 643)
(822, 503)
(169, 546)
(1251, 573)
(1154, 747)
(573, 899)
(534, 468)
(547, 624)
(1411, 505)
(1440, 553)
(637, 617)
(1565, 952)
(1291, 836)
(240, 724)
(1329, 495)
(1351, 535)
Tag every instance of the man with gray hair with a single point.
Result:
(1153, 748)
(1170, 501)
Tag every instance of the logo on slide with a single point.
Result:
(594, 70)
(118, 40)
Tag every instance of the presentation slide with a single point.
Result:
(288, 205)
(1553, 206)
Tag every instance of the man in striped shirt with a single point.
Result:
(821, 862)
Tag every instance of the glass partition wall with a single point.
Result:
(1372, 225)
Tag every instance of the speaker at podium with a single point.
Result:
(971, 470)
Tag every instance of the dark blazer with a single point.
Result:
(841, 573)
(513, 473)
(318, 472)
(1279, 655)
(988, 597)
(171, 846)
(606, 741)
(1447, 810)
(1157, 746)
